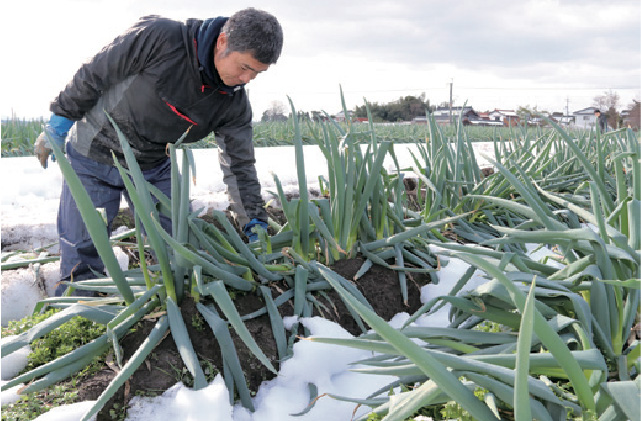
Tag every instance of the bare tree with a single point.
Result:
(277, 107)
(634, 118)
(275, 112)
(608, 100)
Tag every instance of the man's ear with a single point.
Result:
(221, 42)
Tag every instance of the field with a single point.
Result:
(549, 339)
(18, 135)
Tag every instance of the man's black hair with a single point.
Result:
(254, 31)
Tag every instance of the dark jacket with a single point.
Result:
(150, 82)
(602, 120)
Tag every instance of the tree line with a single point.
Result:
(406, 108)
(403, 109)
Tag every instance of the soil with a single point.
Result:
(164, 367)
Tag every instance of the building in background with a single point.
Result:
(632, 116)
(509, 118)
(444, 115)
(585, 118)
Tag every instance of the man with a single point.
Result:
(600, 120)
(156, 80)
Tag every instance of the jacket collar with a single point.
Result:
(205, 40)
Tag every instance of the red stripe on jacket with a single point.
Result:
(181, 115)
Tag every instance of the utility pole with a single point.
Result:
(567, 110)
(451, 83)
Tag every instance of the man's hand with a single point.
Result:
(55, 131)
(41, 147)
(250, 230)
(42, 150)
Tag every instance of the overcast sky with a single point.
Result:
(495, 53)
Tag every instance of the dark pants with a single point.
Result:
(78, 256)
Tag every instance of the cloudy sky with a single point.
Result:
(494, 54)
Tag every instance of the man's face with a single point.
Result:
(235, 68)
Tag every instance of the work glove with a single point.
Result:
(250, 229)
(55, 131)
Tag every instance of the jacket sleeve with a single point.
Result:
(135, 50)
(237, 161)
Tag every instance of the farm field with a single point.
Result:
(551, 337)
(18, 135)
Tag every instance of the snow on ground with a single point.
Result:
(28, 209)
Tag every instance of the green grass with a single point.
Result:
(70, 335)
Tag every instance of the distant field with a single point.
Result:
(18, 135)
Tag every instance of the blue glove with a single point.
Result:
(59, 127)
(249, 232)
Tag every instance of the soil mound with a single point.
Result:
(164, 367)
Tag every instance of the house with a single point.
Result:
(442, 115)
(585, 118)
(562, 119)
(507, 117)
(340, 116)
(483, 119)
(534, 121)
(625, 115)
(484, 115)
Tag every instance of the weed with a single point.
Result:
(15, 327)
(489, 326)
(70, 335)
(198, 322)
(76, 332)
(118, 412)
